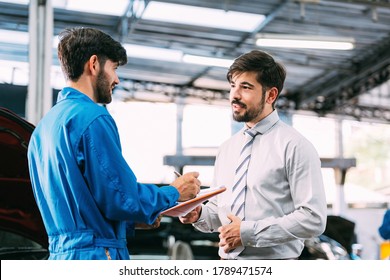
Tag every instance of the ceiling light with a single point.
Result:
(209, 61)
(146, 52)
(200, 16)
(304, 42)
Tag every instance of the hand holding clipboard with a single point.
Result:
(182, 208)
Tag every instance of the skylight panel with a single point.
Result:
(200, 16)
(116, 8)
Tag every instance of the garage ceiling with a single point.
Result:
(348, 82)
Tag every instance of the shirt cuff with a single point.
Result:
(201, 223)
(247, 233)
(172, 192)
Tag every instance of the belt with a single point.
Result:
(80, 240)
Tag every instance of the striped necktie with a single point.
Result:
(239, 186)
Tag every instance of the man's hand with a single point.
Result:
(156, 224)
(229, 235)
(188, 185)
(192, 216)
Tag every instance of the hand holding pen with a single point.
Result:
(188, 185)
(179, 175)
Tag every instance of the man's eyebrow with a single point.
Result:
(246, 84)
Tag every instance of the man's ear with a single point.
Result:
(272, 95)
(93, 65)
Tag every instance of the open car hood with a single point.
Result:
(18, 210)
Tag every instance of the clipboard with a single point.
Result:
(185, 207)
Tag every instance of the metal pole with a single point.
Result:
(340, 205)
(39, 96)
(179, 130)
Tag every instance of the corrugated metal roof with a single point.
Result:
(323, 81)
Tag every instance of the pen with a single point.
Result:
(178, 175)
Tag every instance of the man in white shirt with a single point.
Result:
(284, 196)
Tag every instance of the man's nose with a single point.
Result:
(235, 93)
(116, 81)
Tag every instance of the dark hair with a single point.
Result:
(269, 72)
(77, 45)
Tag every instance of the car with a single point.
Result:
(22, 233)
(174, 240)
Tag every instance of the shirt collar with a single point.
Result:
(71, 93)
(267, 123)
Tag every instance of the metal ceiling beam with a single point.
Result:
(377, 3)
(335, 90)
(129, 19)
(270, 17)
(137, 90)
(361, 113)
(337, 87)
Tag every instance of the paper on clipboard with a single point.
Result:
(185, 207)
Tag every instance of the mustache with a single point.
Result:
(238, 102)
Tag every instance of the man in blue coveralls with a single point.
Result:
(87, 194)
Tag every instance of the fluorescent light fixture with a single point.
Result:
(217, 18)
(209, 61)
(305, 42)
(153, 53)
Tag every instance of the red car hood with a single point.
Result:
(18, 210)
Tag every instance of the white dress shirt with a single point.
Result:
(285, 200)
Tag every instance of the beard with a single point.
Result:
(103, 88)
(249, 114)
